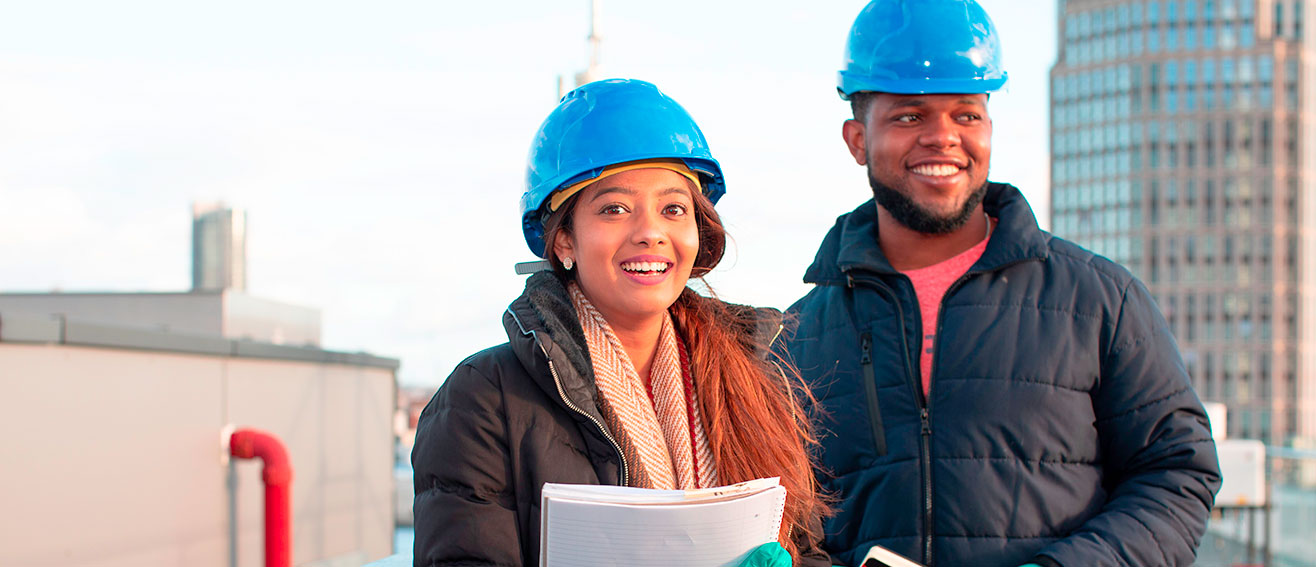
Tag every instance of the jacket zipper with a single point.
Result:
(557, 381)
(904, 341)
(870, 390)
(925, 430)
(621, 458)
(926, 464)
(924, 416)
(925, 421)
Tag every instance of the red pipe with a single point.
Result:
(250, 443)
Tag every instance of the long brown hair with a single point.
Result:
(750, 402)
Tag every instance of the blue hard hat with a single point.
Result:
(605, 123)
(922, 47)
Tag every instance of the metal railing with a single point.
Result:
(1279, 533)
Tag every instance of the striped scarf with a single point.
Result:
(659, 429)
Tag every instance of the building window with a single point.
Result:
(1292, 145)
(1208, 202)
(1227, 137)
(1297, 20)
(1265, 142)
(1279, 20)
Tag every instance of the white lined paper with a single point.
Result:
(585, 525)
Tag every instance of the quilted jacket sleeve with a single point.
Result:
(1158, 455)
(811, 552)
(465, 507)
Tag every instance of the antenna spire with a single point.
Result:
(595, 41)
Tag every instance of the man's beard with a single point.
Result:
(919, 219)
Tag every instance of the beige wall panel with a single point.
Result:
(250, 513)
(118, 462)
(378, 513)
(154, 556)
(359, 490)
(347, 524)
(213, 551)
(378, 521)
(209, 551)
(375, 401)
(120, 451)
(336, 422)
(283, 398)
(343, 422)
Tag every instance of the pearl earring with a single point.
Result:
(568, 263)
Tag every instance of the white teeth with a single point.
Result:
(935, 170)
(645, 266)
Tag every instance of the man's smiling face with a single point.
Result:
(927, 156)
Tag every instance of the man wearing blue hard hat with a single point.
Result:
(988, 394)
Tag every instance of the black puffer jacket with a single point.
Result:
(1060, 426)
(508, 420)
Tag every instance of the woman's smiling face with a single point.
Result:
(633, 240)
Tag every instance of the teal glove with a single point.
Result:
(768, 555)
(1030, 565)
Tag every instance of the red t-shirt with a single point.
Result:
(930, 285)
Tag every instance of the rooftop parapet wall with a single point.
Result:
(113, 451)
(58, 329)
(230, 314)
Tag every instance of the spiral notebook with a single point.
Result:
(594, 525)
(879, 556)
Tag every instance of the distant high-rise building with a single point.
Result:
(219, 248)
(1183, 137)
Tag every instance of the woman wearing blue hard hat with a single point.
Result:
(614, 371)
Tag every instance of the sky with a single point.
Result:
(379, 148)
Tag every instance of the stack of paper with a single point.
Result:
(598, 525)
(879, 556)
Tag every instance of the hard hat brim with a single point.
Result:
(851, 83)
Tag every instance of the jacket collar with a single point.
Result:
(542, 326)
(851, 244)
(542, 329)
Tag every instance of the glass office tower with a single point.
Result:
(219, 248)
(1182, 147)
